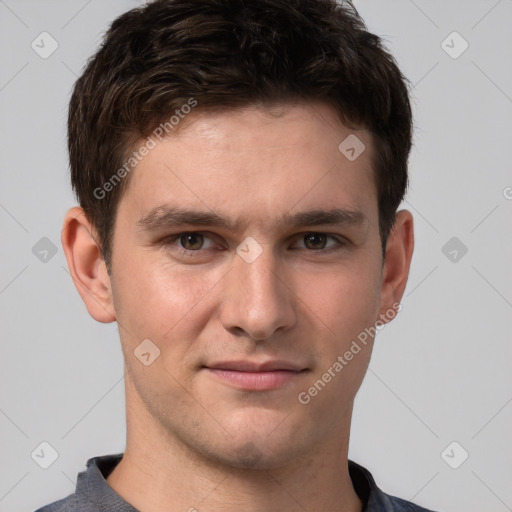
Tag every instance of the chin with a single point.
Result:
(250, 456)
(256, 451)
(262, 439)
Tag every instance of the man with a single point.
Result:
(239, 166)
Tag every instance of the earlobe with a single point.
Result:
(86, 265)
(397, 262)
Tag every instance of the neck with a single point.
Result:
(159, 472)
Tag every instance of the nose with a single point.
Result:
(257, 299)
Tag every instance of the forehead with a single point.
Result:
(260, 162)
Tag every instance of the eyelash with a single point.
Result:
(168, 241)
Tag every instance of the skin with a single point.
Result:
(192, 439)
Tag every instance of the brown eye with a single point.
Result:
(320, 242)
(192, 241)
(315, 241)
(189, 243)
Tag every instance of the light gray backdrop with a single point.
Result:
(439, 386)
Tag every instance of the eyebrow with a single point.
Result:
(166, 216)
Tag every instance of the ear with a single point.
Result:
(86, 265)
(397, 261)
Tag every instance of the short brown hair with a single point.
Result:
(228, 54)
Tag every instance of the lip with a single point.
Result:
(253, 366)
(252, 376)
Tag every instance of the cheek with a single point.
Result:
(344, 300)
(160, 302)
(343, 308)
(152, 298)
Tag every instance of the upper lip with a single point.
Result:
(252, 366)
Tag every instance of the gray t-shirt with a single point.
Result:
(94, 494)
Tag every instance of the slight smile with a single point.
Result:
(250, 376)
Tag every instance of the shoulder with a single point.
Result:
(92, 489)
(374, 499)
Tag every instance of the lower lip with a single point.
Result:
(256, 381)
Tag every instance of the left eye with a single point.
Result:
(318, 241)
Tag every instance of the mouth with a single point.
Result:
(251, 376)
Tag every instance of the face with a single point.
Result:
(247, 250)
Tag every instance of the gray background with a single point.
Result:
(440, 371)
